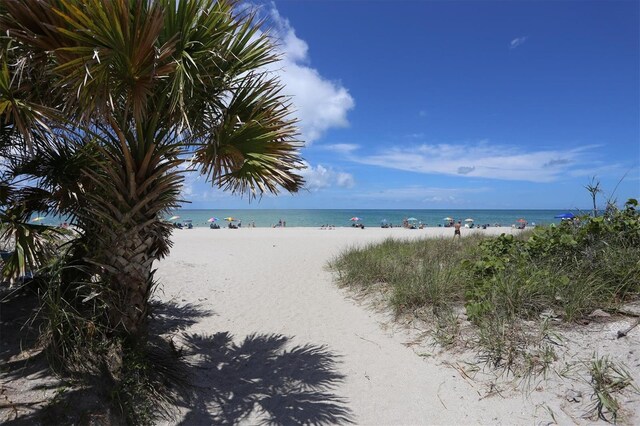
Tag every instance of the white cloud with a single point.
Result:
(518, 41)
(320, 104)
(341, 148)
(320, 177)
(345, 180)
(482, 160)
(421, 195)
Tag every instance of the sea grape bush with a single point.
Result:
(571, 268)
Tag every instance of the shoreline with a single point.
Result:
(427, 232)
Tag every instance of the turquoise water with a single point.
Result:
(317, 218)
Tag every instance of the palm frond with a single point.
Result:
(32, 245)
(252, 147)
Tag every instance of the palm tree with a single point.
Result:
(142, 91)
(594, 189)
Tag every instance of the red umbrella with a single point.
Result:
(521, 221)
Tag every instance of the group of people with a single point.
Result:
(239, 225)
(412, 224)
(187, 225)
(212, 225)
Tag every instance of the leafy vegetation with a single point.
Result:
(562, 272)
(571, 269)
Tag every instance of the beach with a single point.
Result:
(262, 287)
(270, 338)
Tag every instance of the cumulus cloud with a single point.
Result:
(320, 177)
(518, 41)
(320, 104)
(482, 160)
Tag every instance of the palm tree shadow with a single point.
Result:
(262, 377)
(212, 379)
(167, 318)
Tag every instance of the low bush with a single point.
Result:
(564, 271)
(571, 269)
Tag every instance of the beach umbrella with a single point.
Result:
(384, 221)
(212, 219)
(468, 220)
(521, 220)
(174, 218)
(565, 216)
(355, 219)
(37, 219)
(448, 218)
(412, 219)
(229, 219)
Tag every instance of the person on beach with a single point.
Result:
(457, 230)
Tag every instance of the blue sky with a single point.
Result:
(457, 104)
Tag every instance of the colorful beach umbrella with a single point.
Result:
(355, 219)
(565, 216)
(229, 219)
(212, 219)
(521, 220)
(37, 219)
(448, 218)
(173, 218)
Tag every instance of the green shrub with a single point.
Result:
(572, 268)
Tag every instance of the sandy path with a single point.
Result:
(274, 281)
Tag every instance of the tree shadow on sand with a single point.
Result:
(262, 377)
(31, 393)
(210, 378)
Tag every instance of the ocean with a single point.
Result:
(319, 217)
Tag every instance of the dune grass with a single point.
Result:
(566, 271)
(607, 380)
(415, 273)
(563, 272)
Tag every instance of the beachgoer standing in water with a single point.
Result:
(457, 230)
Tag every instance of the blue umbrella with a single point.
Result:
(565, 216)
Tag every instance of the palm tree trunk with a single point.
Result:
(127, 234)
(130, 276)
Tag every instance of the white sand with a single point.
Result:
(274, 281)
